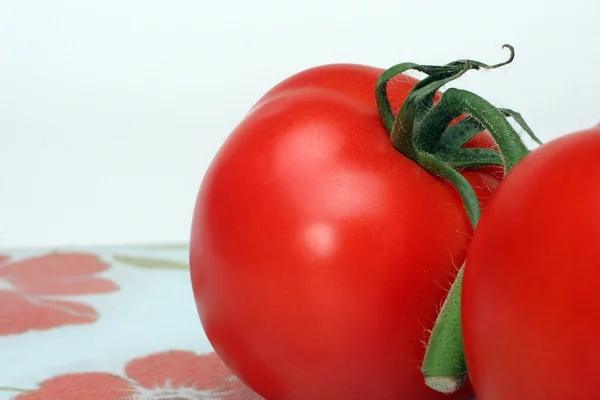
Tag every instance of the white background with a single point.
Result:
(110, 111)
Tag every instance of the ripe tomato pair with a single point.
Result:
(321, 255)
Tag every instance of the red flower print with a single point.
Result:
(172, 375)
(30, 291)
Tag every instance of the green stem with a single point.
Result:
(418, 133)
(459, 158)
(458, 135)
(402, 134)
(447, 374)
(451, 70)
(456, 102)
(439, 168)
(521, 121)
(383, 103)
(436, 73)
(441, 367)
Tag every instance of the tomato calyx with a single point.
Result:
(421, 130)
(424, 131)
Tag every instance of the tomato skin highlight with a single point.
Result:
(530, 303)
(320, 254)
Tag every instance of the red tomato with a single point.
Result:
(319, 253)
(530, 303)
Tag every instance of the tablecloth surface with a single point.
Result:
(105, 323)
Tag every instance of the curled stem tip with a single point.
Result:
(511, 57)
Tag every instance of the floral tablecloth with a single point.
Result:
(109, 323)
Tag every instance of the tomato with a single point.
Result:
(530, 301)
(319, 254)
